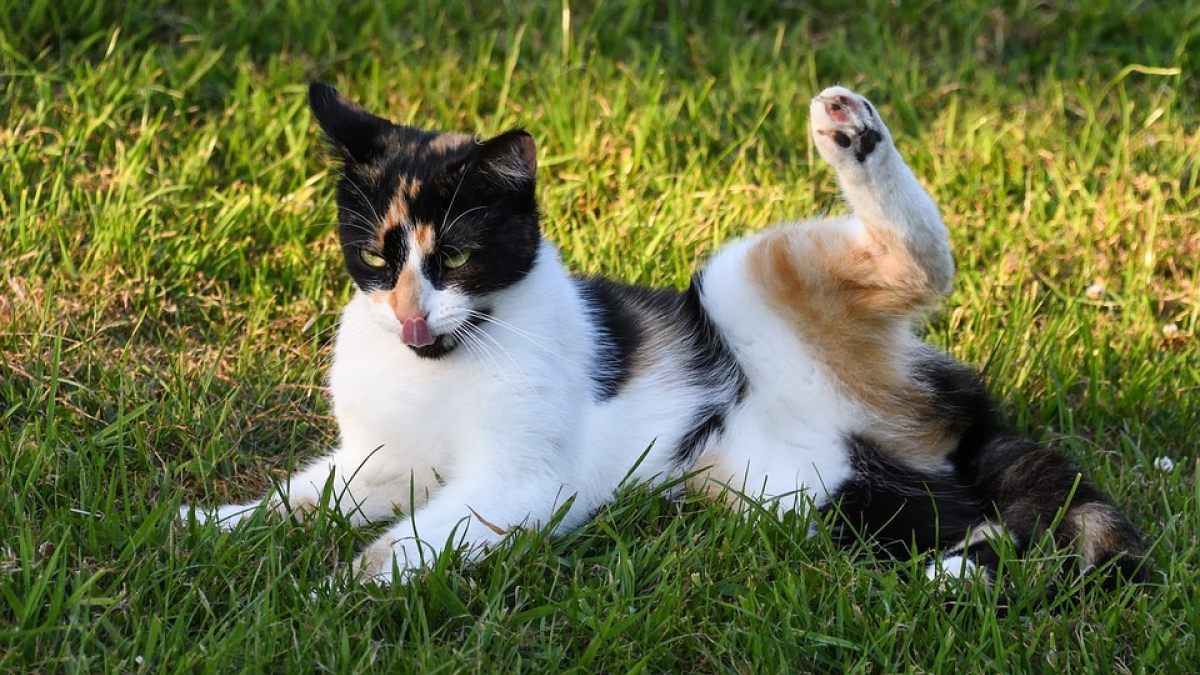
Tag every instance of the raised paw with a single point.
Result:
(845, 125)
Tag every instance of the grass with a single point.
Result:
(169, 282)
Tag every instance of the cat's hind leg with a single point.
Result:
(903, 228)
(852, 287)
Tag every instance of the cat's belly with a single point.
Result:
(770, 454)
(787, 436)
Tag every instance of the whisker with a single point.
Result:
(500, 322)
(531, 338)
(360, 222)
(459, 217)
(478, 334)
(481, 348)
(366, 200)
(453, 196)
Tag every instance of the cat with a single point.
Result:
(480, 387)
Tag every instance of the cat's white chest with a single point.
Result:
(403, 416)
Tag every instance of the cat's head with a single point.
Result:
(432, 225)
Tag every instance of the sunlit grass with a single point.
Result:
(170, 278)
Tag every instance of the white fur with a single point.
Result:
(951, 568)
(504, 430)
(784, 442)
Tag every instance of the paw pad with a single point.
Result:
(837, 109)
(866, 144)
(848, 120)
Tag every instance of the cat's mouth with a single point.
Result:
(441, 346)
(424, 343)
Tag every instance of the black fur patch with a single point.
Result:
(474, 211)
(709, 422)
(616, 308)
(627, 315)
(991, 473)
(714, 367)
(899, 509)
(1024, 482)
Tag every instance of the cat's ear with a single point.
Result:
(509, 159)
(355, 133)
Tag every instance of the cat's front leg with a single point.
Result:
(469, 518)
(340, 481)
(227, 516)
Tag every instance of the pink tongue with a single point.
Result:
(416, 333)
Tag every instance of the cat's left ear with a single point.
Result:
(357, 135)
(510, 159)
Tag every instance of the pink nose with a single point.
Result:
(415, 332)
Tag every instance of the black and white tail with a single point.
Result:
(997, 486)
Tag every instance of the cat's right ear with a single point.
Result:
(355, 133)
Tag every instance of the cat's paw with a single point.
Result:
(361, 573)
(846, 128)
(386, 562)
(225, 517)
(373, 567)
(201, 516)
(956, 569)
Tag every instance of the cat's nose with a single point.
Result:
(405, 299)
(405, 312)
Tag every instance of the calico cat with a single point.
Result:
(480, 387)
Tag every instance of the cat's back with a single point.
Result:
(661, 380)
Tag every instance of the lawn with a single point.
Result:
(170, 280)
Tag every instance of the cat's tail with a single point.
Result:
(1035, 489)
(1028, 489)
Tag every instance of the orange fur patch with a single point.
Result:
(854, 296)
(1098, 531)
(405, 297)
(397, 213)
(424, 238)
(449, 141)
(410, 188)
(395, 216)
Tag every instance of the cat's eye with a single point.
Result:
(458, 260)
(371, 258)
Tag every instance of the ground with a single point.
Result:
(170, 277)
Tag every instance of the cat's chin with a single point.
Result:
(441, 346)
